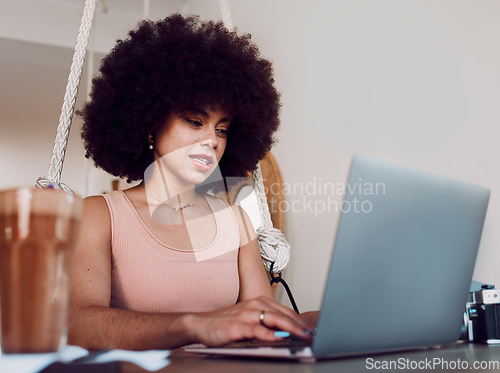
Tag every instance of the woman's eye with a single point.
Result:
(222, 132)
(194, 122)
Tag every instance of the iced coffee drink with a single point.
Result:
(38, 229)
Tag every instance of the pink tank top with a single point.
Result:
(148, 276)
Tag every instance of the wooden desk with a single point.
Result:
(462, 353)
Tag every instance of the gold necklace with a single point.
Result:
(180, 208)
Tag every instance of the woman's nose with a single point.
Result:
(210, 139)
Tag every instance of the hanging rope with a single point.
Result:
(56, 164)
(226, 14)
(146, 9)
(274, 248)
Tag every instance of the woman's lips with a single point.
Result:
(202, 162)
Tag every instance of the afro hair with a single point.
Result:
(173, 65)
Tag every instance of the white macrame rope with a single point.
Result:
(62, 136)
(146, 9)
(274, 247)
(260, 191)
(226, 14)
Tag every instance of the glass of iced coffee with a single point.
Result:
(38, 230)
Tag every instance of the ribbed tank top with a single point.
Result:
(148, 276)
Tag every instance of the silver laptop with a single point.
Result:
(401, 268)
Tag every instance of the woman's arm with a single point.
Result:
(94, 325)
(253, 277)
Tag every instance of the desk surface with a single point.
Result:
(462, 357)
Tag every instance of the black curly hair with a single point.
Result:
(170, 66)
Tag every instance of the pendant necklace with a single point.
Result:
(177, 209)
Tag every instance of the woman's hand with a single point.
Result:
(243, 321)
(310, 318)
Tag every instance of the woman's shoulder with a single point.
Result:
(95, 207)
(97, 201)
(95, 225)
(106, 200)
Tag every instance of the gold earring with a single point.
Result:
(150, 138)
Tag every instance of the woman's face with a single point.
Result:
(190, 144)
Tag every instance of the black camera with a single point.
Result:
(483, 315)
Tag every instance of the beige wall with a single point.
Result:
(415, 82)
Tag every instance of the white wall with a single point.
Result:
(415, 82)
(56, 22)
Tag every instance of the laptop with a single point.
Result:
(401, 268)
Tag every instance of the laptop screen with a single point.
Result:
(403, 259)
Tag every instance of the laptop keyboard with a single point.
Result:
(292, 343)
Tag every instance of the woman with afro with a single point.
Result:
(182, 106)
